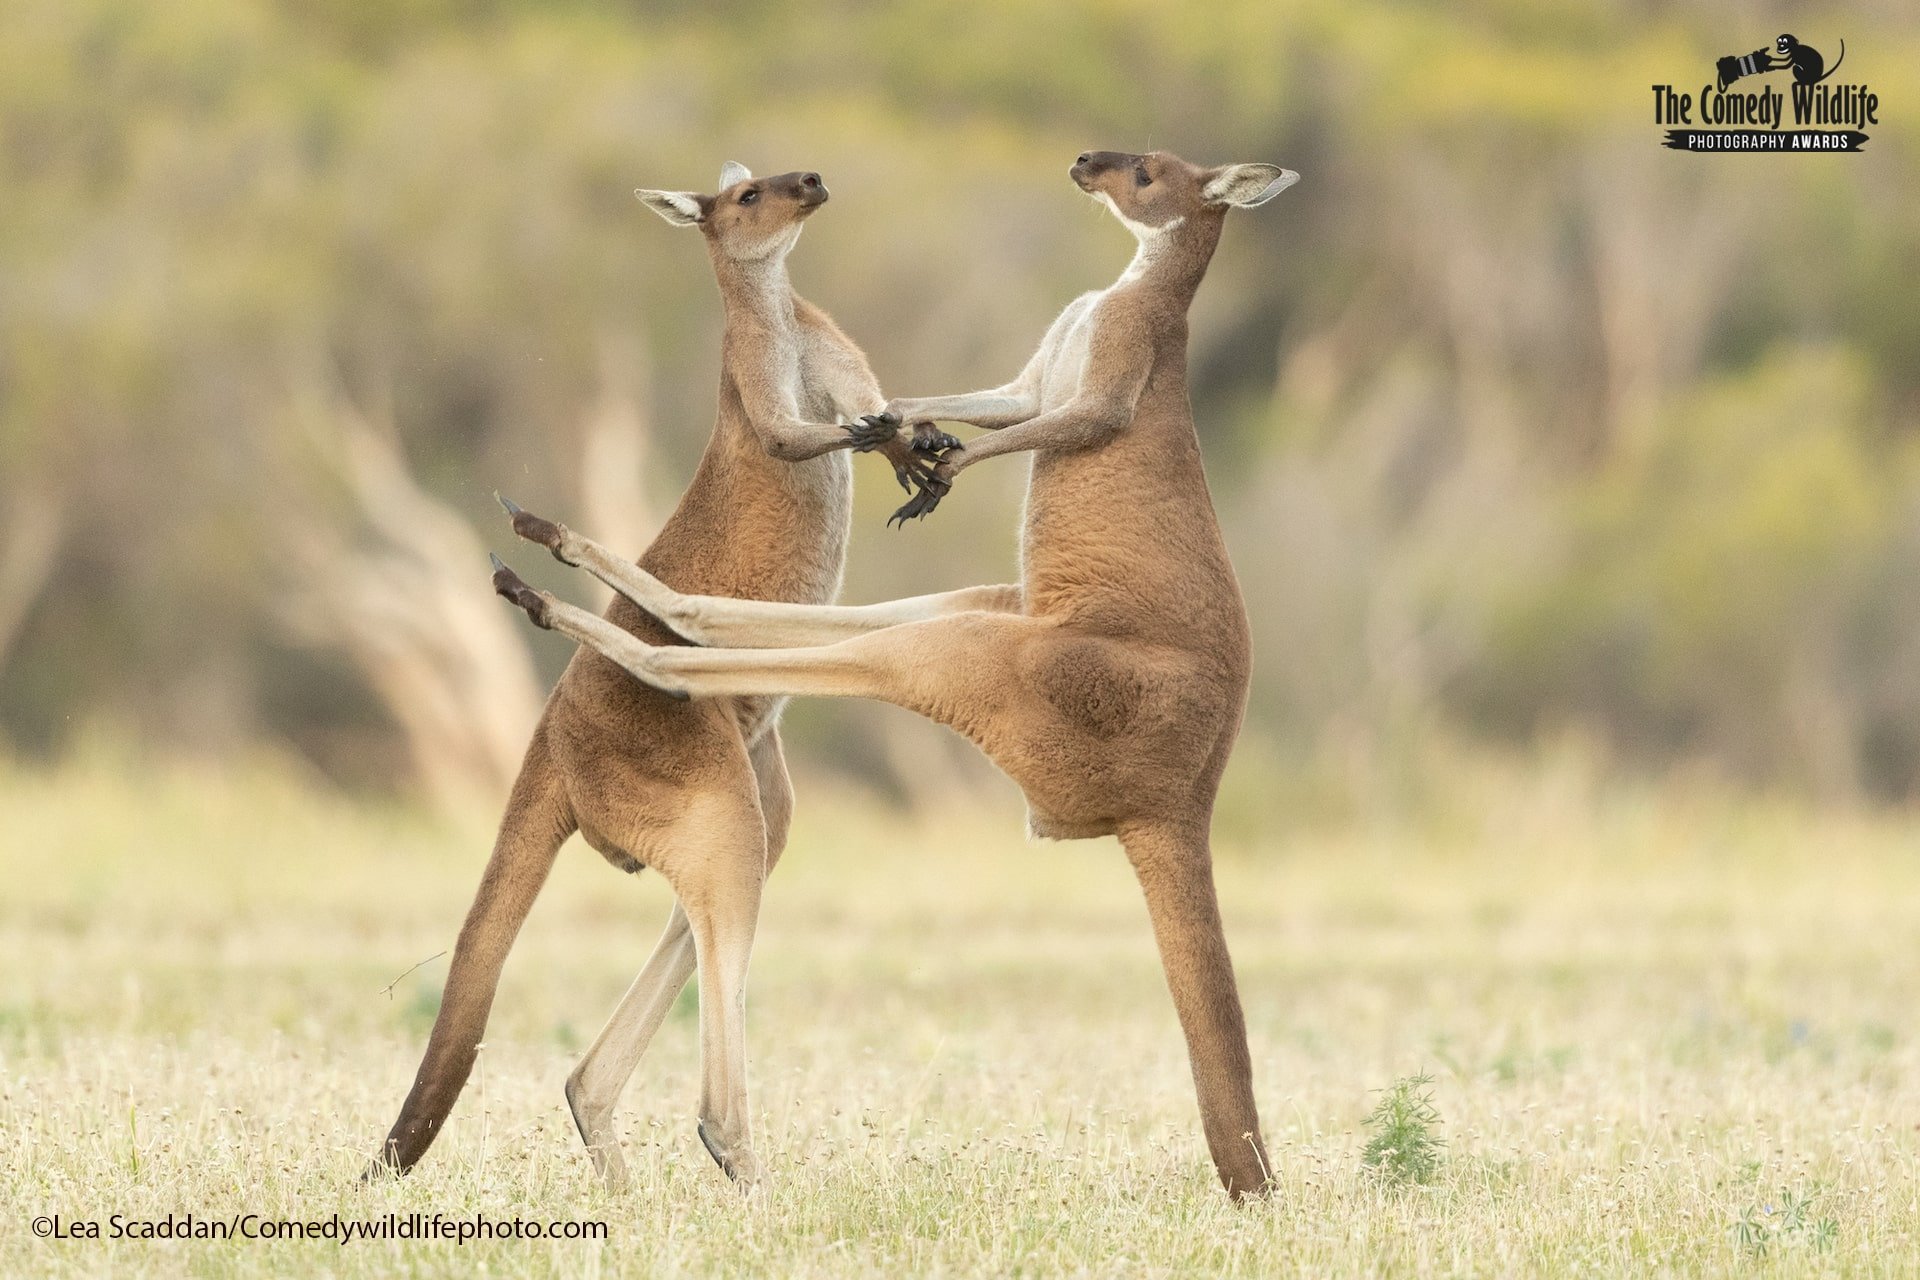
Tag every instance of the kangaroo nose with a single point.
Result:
(1084, 157)
(810, 180)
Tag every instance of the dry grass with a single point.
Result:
(1666, 1038)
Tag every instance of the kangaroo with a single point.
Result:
(698, 790)
(1109, 683)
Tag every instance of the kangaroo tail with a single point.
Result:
(1836, 62)
(538, 820)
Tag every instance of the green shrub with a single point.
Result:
(1404, 1148)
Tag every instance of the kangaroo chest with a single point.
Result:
(1069, 345)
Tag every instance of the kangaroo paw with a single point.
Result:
(930, 439)
(913, 509)
(872, 431)
(932, 489)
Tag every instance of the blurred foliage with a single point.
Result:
(1519, 423)
(1733, 588)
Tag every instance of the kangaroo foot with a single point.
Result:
(603, 1144)
(554, 537)
(511, 587)
(381, 1168)
(736, 1160)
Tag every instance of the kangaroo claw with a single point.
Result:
(912, 509)
(872, 431)
(531, 527)
(930, 439)
(922, 503)
(512, 588)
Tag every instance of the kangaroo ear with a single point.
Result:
(731, 172)
(1247, 185)
(681, 208)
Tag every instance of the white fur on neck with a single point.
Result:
(778, 246)
(766, 289)
(1152, 239)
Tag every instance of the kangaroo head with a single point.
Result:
(748, 217)
(1157, 191)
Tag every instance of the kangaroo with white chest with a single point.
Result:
(698, 791)
(1110, 682)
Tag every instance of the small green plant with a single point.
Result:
(1404, 1148)
(1791, 1218)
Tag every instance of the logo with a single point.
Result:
(1825, 116)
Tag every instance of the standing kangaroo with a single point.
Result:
(1109, 684)
(698, 790)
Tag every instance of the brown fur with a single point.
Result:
(1110, 684)
(696, 789)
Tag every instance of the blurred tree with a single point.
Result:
(391, 586)
(1517, 420)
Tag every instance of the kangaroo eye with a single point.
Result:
(1141, 178)
(749, 196)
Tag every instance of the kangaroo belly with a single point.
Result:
(756, 528)
(1123, 539)
(748, 527)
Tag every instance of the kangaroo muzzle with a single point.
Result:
(808, 189)
(1092, 164)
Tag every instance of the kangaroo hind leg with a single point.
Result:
(1175, 869)
(594, 1088)
(946, 668)
(538, 820)
(723, 621)
(717, 872)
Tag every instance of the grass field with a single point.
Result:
(1667, 1035)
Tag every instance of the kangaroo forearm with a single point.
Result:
(791, 440)
(992, 410)
(1072, 427)
(997, 421)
